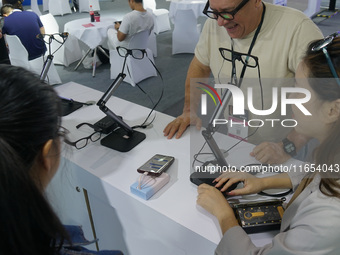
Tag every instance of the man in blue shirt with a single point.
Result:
(27, 26)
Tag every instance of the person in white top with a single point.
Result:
(133, 22)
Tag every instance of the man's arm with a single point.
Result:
(42, 30)
(273, 153)
(120, 36)
(191, 101)
(180, 124)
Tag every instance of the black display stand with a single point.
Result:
(124, 138)
(119, 140)
(68, 106)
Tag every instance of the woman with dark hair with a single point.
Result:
(310, 224)
(30, 145)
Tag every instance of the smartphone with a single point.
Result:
(156, 165)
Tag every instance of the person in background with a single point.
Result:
(17, 4)
(27, 26)
(30, 147)
(278, 36)
(137, 20)
(310, 222)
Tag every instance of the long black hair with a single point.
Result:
(29, 117)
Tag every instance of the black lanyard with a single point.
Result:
(252, 42)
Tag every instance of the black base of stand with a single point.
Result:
(119, 141)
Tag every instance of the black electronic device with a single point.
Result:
(107, 124)
(156, 165)
(259, 216)
(199, 178)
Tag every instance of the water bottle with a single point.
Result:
(91, 14)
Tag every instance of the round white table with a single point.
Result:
(93, 34)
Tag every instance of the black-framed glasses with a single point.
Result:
(223, 15)
(135, 53)
(82, 142)
(322, 45)
(246, 59)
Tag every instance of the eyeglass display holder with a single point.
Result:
(124, 138)
(199, 177)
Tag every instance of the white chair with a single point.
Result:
(18, 56)
(186, 32)
(152, 43)
(161, 16)
(59, 7)
(70, 51)
(84, 5)
(35, 7)
(313, 8)
(136, 70)
(45, 5)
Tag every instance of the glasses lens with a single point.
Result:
(138, 54)
(122, 51)
(95, 136)
(249, 61)
(226, 54)
(226, 16)
(81, 143)
(211, 15)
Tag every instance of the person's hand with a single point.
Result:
(180, 124)
(215, 203)
(270, 153)
(117, 25)
(212, 200)
(251, 184)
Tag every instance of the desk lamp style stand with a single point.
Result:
(210, 130)
(124, 138)
(48, 61)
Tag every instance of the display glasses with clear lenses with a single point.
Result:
(246, 59)
(82, 142)
(224, 15)
(135, 53)
(322, 45)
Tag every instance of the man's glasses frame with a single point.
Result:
(223, 15)
(322, 45)
(82, 142)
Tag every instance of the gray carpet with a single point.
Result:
(172, 67)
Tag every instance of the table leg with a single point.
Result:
(94, 63)
(82, 59)
(103, 51)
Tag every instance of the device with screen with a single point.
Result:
(156, 165)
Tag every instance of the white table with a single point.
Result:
(93, 34)
(196, 5)
(170, 222)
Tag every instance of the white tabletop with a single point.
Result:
(171, 215)
(196, 5)
(94, 34)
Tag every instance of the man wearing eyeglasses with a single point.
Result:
(277, 36)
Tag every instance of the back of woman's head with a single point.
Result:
(327, 88)
(29, 112)
(29, 117)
